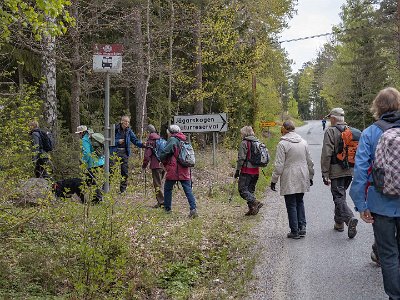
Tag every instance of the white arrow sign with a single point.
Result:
(202, 123)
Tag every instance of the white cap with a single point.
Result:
(81, 128)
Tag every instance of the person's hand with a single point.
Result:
(237, 173)
(366, 216)
(120, 141)
(273, 186)
(311, 182)
(326, 181)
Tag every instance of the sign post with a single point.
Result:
(267, 124)
(203, 123)
(107, 58)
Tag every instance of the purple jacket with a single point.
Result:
(175, 171)
(149, 154)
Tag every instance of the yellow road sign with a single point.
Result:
(267, 124)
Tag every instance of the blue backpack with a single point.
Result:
(160, 145)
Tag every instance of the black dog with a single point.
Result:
(68, 187)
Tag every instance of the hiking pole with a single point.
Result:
(145, 184)
(232, 190)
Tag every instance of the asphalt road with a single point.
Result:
(326, 264)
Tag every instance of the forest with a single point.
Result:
(179, 58)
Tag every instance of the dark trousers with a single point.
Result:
(247, 186)
(296, 212)
(121, 153)
(387, 237)
(40, 168)
(158, 177)
(338, 188)
(91, 180)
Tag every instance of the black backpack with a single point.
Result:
(46, 140)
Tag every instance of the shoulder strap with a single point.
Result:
(341, 128)
(385, 125)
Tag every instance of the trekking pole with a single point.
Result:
(145, 184)
(232, 190)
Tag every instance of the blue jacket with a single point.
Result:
(374, 200)
(89, 157)
(129, 137)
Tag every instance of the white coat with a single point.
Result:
(293, 165)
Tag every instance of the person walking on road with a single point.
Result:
(335, 175)
(294, 167)
(176, 171)
(323, 124)
(157, 169)
(375, 207)
(246, 172)
(124, 136)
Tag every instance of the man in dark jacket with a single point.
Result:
(41, 157)
(335, 175)
(175, 171)
(157, 169)
(246, 172)
(124, 136)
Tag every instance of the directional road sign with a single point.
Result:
(267, 124)
(107, 58)
(202, 123)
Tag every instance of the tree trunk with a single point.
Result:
(198, 104)
(75, 76)
(141, 81)
(48, 87)
(171, 43)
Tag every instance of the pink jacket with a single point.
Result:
(149, 154)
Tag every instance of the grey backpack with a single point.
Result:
(386, 166)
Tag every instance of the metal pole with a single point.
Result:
(214, 162)
(107, 134)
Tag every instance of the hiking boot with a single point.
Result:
(193, 213)
(302, 231)
(338, 227)
(251, 210)
(352, 228)
(256, 207)
(293, 235)
(375, 258)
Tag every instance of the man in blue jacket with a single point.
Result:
(381, 211)
(124, 136)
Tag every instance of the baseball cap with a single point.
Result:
(81, 128)
(337, 111)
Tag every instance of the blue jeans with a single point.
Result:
(187, 188)
(296, 212)
(387, 237)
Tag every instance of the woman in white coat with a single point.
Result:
(295, 168)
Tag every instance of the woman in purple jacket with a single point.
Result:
(157, 169)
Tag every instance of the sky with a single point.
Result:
(313, 17)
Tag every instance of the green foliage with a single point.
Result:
(46, 17)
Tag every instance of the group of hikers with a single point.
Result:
(368, 161)
(165, 166)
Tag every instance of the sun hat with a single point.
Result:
(81, 128)
(337, 111)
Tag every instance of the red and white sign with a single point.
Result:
(107, 58)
